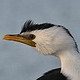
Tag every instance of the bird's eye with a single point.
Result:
(31, 37)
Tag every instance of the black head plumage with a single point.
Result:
(30, 26)
(26, 26)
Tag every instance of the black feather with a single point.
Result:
(53, 75)
(30, 26)
(26, 25)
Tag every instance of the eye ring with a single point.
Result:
(31, 36)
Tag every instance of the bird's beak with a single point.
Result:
(21, 39)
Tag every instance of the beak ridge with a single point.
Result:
(20, 39)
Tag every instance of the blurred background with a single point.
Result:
(19, 61)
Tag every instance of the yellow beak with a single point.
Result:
(19, 39)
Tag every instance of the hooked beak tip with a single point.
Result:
(19, 39)
(6, 37)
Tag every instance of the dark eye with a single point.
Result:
(31, 36)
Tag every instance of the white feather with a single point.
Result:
(56, 41)
(52, 40)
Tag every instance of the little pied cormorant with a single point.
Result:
(51, 39)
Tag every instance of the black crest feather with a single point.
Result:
(30, 26)
(26, 25)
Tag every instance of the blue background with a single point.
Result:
(19, 61)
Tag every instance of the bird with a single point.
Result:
(55, 40)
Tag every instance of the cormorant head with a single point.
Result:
(46, 38)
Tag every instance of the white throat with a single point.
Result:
(70, 64)
(57, 41)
